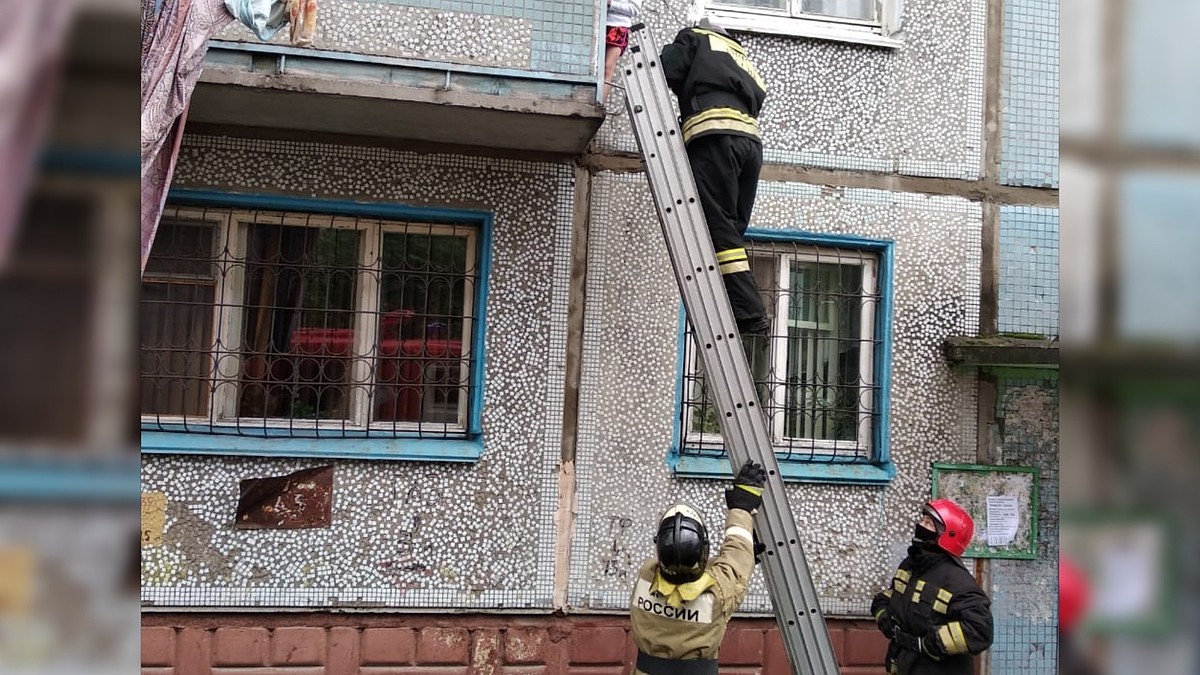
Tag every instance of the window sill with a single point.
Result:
(807, 28)
(793, 472)
(360, 447)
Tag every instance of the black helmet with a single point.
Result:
(681, 544)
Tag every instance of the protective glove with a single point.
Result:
(906, 641)
(759, 549)
(887, 625)
(746, 493)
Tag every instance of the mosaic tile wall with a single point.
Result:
(915, 110)
(1022, 591)
(627, 392)
(1029, 94)
(1028, 297)
(403, 534)
(551, 37)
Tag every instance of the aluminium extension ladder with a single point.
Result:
(789, 581)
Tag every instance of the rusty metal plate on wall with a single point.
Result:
(299, 500)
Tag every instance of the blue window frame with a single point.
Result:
(829, 298)
(283, 326)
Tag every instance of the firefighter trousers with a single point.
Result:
(726, 168)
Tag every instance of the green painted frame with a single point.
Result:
(982, 550)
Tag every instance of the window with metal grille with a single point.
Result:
(827, 349)
(275, 323)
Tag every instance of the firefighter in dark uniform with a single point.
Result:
(682, 602)
(934, 612)
(720, 96)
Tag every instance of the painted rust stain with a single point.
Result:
(16, 580)
(154, 516)
(299, 500)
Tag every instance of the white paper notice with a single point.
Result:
(1002, 519)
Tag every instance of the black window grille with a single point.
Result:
(821, 394)
(265, 322)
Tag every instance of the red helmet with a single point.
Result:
(1073, 594)
(954, 527)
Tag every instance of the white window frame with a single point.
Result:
(886, 32)
(233, 226)
(863, 444)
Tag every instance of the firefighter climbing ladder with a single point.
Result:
(789, 582)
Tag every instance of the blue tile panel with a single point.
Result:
(1029, 98)
(564, 32)
(1159, 279)
(1162, 93)
(1024, 592)
(1028, 293)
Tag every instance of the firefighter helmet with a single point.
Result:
(954, 526)
(1073, 594)
(681, 544)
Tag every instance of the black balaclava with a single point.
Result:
(924, 549)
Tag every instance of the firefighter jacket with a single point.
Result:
(676, 624)
(719, 89)
(933, 597)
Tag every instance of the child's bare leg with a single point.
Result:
(611, 54)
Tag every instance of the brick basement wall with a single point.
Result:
(436, 644)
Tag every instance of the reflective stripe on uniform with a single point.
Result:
(903, 575)
(742, 532)
(735, 267)
(916, 596)
(720, 43)
(723, 119)
(942, 604)
(731, 254)
(952, 638)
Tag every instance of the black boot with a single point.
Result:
(758, 353)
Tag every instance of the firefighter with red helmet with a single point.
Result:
(682, 602)
(934, 612)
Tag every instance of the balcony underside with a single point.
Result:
(394, 99)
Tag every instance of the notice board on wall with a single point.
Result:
(1003, 502)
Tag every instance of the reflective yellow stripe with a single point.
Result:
(721, 125)
(735, 267)
(944, 595)
(731, 254)
(903, 575)
(880, 613)
(920, 584)
(960, 640)
(943, 635)
(726, 119)
(952, 638)
(916, 596)
(887, 593)
(718, 113)
(900, 586)
(720, 43)
(939, 606)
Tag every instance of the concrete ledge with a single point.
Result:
(1000, 351)
(398, 102)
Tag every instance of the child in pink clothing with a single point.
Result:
(621, 14)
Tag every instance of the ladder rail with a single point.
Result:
(744, 428)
